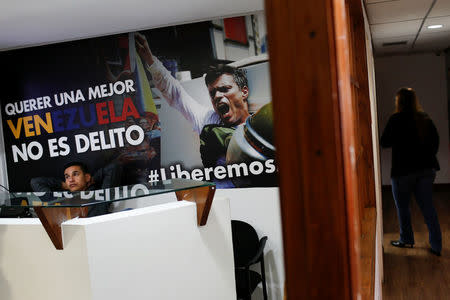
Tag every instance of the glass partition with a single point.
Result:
(88, 198)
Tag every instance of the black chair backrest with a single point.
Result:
(16, 211)
(245, 242)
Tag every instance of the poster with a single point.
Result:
(126, 106)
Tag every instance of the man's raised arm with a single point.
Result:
(171, 89)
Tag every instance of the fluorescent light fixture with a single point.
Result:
(434, 26)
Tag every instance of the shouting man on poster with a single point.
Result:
(228, 89)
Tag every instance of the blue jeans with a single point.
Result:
(421, 184)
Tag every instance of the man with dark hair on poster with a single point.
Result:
(228, 90)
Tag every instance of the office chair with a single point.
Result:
(17, 211)
(248, 250)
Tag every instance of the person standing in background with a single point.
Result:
(414, 140)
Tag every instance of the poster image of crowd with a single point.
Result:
(141, 107)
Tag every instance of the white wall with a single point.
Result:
(378, 293)
(260, 207)
(25, 23)
(426, 74)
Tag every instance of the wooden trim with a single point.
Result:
(314, 129)
(202, 197)
(364, 147)
(52, 218)
(360, 90)
(349, 131)
(368, 238)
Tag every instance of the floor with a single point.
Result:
(416, 273)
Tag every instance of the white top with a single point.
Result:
(177, 97)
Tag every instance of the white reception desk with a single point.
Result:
(157, 252)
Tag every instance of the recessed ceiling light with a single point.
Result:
(434, 26)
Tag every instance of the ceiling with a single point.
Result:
(401, 26)
(25, 23)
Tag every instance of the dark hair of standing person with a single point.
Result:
(406, 102)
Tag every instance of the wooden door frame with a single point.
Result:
(317, 122)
